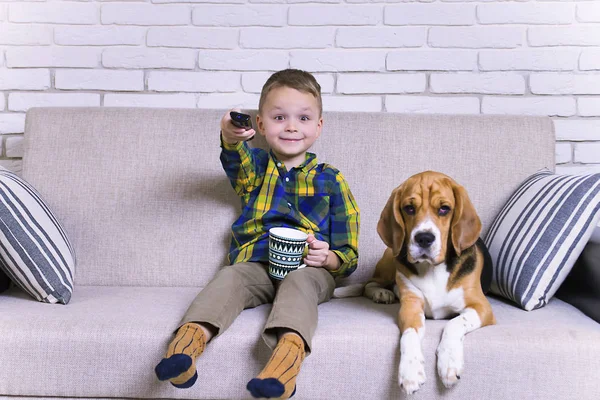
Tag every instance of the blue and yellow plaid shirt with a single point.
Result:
(314, 198)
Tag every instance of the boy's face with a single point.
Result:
(290, 122)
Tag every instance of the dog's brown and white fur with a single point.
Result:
(436, 259)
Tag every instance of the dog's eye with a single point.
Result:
(410, 210)
(444, 210)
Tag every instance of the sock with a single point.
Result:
(278, 378)
(179, 364)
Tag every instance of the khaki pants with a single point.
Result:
(247, 285)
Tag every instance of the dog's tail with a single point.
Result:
(354, 290)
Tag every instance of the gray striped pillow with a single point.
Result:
(35, 252)
(539, 234)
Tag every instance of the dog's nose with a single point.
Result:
(424, 239)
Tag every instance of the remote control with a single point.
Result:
(241, 120)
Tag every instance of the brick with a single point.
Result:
(551, 83)
(99, 80)
(228, 101)
(243, 60)
(528, 60)
(211, 1)
(354, 37)
(577, 130)
(123, 57)
(3, 12)
(589, 106)
(336, 60)
(232, 15)
(432, 60)
(589, 60)
(1, 102)
(588, 12)
(587, 153)
(12, 123)
(24, 79)
(335, 15)
(287, 38)
(476, 37)
(578, 169)
(80, 57)
(352, 103)
(486, 83)
(542, 105)
(145, 14)
(207, 38)
(562, 153)
(381, 83)
(99, 35)
(564, 36)
(526, 13)
(13, 146)
(24, 101)
(60, 12)
(430, 14)
(252, 82)
(20, 35)
(175, 81)
(179, 100)
(15, 166)
(432, 105)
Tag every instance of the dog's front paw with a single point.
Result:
(412, 371)
(380, 295)
(450, 361)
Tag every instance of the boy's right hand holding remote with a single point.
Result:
(232, 134)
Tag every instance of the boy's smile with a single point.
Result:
(290, 121)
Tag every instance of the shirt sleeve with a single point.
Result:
(239, 162)
(345, 223)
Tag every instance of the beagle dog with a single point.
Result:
(440, 269)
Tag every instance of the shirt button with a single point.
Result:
(290, 205)
(287, 179)
(279, 164)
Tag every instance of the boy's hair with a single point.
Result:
(297, 79)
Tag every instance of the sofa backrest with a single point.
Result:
(143, 197)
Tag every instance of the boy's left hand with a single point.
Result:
(319, 254)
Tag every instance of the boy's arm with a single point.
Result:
(345, 223)
(238, 161)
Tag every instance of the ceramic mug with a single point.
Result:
(286, 250)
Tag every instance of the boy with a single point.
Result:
(283, 187)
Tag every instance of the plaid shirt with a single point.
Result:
(314, 198)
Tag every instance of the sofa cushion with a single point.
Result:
(539, 234)
(108, 340)
(34, 249)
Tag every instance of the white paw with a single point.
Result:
(412, 370)
(380, 295)
(450, 361)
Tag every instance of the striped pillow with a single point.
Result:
(35, 252)
(539, 234)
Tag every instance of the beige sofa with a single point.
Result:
(148, 209)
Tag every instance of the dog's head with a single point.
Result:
(426, 214)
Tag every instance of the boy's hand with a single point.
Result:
(319, 254)
(231, 133)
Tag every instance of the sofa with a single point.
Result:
(147, 208)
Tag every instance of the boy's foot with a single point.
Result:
(278, 378)
(179, 364)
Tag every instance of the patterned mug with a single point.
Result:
(286, 248)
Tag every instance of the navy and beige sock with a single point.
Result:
(278, 378)
(179, 364)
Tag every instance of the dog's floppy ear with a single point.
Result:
(466, 225)
(391, 225)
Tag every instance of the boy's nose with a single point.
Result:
(291, 126)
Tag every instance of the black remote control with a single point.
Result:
(241, 120)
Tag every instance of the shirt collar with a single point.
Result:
(309, 163)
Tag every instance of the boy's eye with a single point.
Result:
(279, 117)
(304, 118)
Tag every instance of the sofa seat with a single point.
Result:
(88, 350)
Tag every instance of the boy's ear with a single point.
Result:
(259, 125)
(320, 127)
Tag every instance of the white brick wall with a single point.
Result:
(534, 57)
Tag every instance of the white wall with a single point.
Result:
(454, 56)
